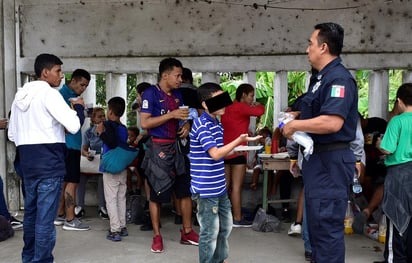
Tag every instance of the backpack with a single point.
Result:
(135, 209)
(6, 231)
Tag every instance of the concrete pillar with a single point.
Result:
(9, 52)
(146, 77)
(116, 86)
(378, 96)
(210, 77)
(307, 80)
(280, 94)
(250, 77)
(407, 76)
(89, 97)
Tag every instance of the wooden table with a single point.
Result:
(270, 164)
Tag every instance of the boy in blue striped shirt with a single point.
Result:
(208, 184)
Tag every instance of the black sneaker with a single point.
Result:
(146, 227)
(286, 216)
(242, 223)
(103, 213)
(123, 232)
(178, 219)
(308, 256)
(79, 212)
(15, 223)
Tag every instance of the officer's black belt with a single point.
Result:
(318, 148)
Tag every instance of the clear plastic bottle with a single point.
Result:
(268, 145)
(356, 186)
(382, 229)
(348, 219)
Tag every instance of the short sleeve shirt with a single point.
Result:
(398, 140)
(156, 102)
(332, 91)
(208, 175)
(92, 140)
(73, 141)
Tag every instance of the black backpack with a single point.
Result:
(6, 231)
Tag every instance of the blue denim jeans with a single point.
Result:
(40, 209)
(215, 220)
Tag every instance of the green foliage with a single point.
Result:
(362, 80)
(264, 90)
(131, 96)
(101, 90)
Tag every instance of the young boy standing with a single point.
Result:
(397, 201)
(113, 133)
(208, 183)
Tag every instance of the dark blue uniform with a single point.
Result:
(329, 170)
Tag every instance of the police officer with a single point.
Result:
(329, 115)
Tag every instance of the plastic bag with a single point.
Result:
(302, 138)
(266, 223)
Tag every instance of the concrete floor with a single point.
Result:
(246, 245)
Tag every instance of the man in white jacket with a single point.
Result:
(39, 120)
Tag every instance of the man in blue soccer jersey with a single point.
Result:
(165, 168)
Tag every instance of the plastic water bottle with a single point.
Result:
(348, 219)
(268, 145)
(382, 229)
(356, 186)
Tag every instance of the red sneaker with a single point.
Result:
(191, 238)
(157, 245)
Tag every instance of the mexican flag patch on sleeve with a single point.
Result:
(337, 91)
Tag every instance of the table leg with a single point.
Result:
(265, 190)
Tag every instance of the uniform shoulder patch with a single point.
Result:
(337, 91)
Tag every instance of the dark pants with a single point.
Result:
(398, 249)
(3, 206)
(327, 176)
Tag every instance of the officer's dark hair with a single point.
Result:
(187, 75)
(142, 86)
(168, 64)
(332, 35)
(244, 88)
(117, 105)
(404, 93)
(45, 61)
(205, 91)
(81, 73)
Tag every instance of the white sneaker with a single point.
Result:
(59, 220)
(295, 229)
